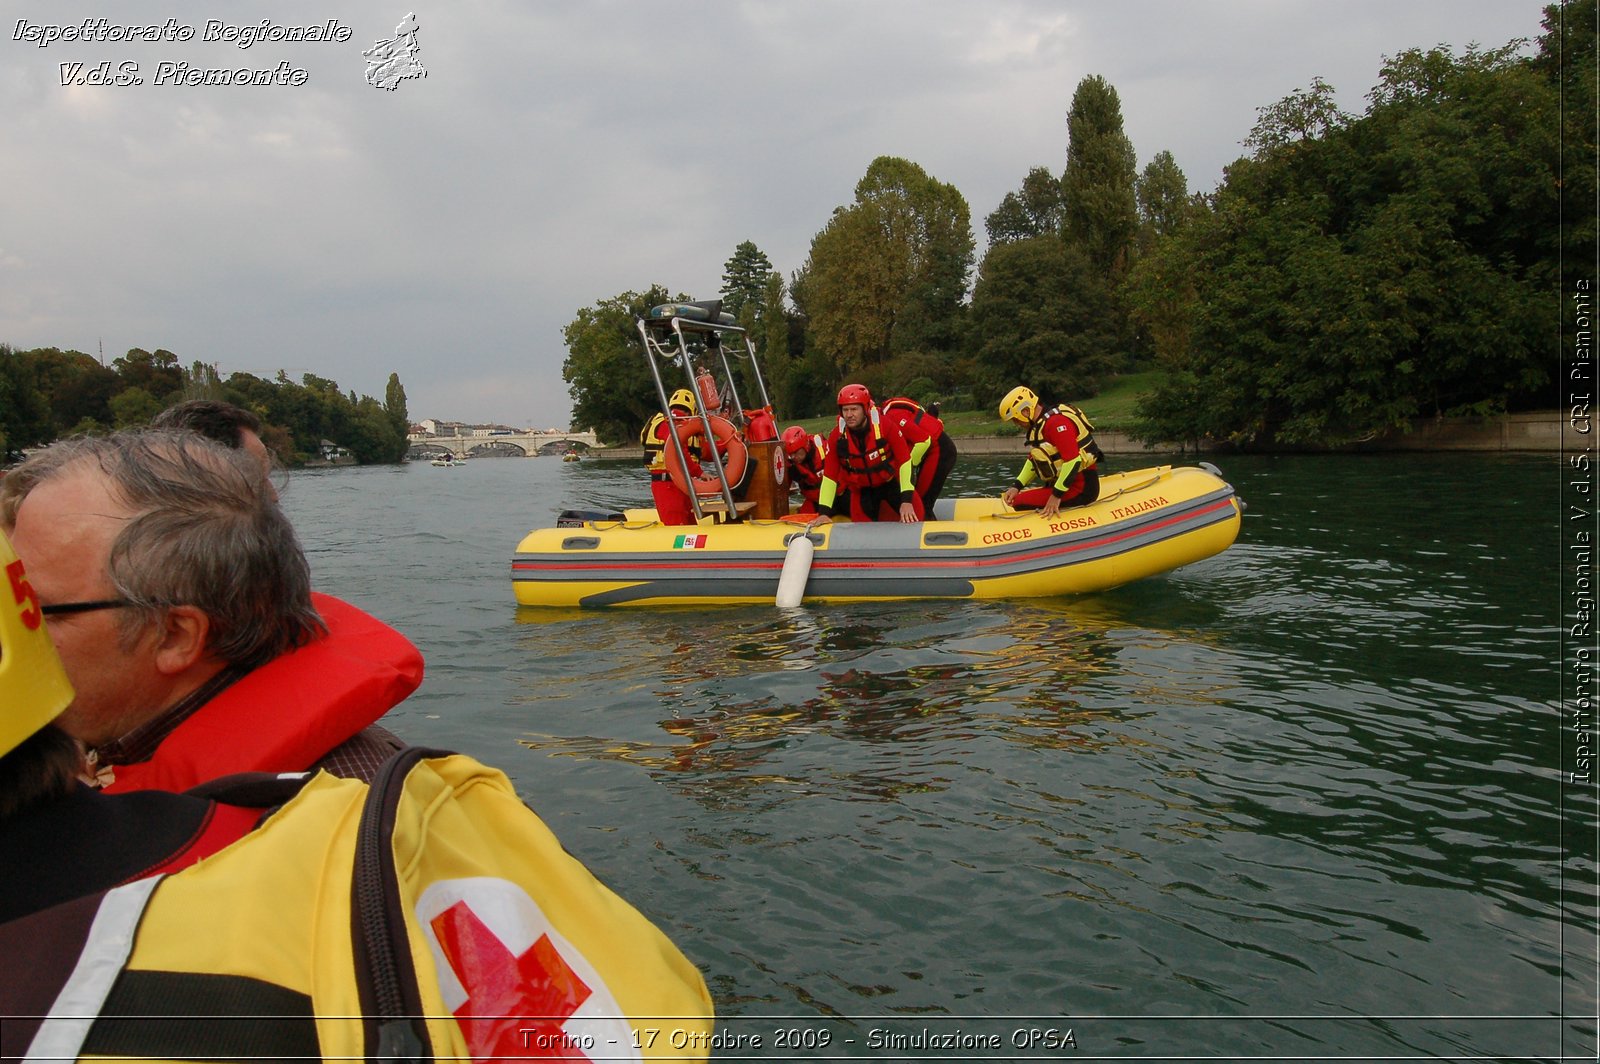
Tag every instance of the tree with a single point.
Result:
(75, 387)
(133, 407)
(744, 278)
(1356, 274)
(610, 383)
(200, 381)
(1567, 60)
(370, 433)
(24, 413)
(1162, 194)
(1303, 115)
(1160, 294)
(1041, 317)
(1100, 211)
(394, 405)
(1158, 291)
(887, 274)
(1038, 209)
(158, 372)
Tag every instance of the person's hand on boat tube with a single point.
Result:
(1008, 495)
(820, 519)
(908, 513)
(1051, 507)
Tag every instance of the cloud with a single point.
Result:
(562, 152)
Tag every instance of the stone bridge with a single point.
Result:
(505, 445)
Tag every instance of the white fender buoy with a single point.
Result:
(796, 570)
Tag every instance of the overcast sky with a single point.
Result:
(559, 152)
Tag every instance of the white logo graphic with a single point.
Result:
(389, 62)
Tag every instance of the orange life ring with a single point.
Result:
(735, 456)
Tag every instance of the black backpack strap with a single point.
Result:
(386, 978)
(262, 790)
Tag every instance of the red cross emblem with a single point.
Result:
(516, 1003)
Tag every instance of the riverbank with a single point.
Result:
(1550, 431)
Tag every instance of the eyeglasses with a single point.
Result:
(83, 607)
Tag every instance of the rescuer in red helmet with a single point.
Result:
(807, 455)
(870, 458)
(933, 452)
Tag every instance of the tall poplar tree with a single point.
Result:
(394, 404)
(1100, 211)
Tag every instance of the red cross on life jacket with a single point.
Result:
(515, 1004)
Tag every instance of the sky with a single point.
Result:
(561, 152)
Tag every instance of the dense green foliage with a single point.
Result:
(1355, 274)
(46, 394)
(1350, 275)
(1041, 314)
(887, 274)
(1037, 209)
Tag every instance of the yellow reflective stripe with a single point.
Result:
(826, 493)
(1067, 469)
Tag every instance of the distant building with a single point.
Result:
(434, 428)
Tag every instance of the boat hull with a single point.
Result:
(1146, 522)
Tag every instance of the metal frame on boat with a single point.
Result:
(665, 342)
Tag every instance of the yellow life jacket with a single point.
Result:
(432, 915)
(654, 447)
(1045, 458)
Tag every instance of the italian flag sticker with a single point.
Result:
(689, 542)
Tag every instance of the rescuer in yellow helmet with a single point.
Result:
(672, 504)
(72, 839)
(1062, 455)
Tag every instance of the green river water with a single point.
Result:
(1310, 799)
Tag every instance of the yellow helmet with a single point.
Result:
(1020, 404)
(33, 686)
(682, 397)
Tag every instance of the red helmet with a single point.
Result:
(855, 393)
(795, 439)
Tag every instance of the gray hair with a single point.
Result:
(203, 533)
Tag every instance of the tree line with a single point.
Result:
(1350, 275)
(47, 394)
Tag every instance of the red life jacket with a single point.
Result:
(808, 468)
(286, 714)
(915, 422)
(865, 461)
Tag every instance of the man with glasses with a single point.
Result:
(179, 600)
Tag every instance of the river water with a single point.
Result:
(1302, 800)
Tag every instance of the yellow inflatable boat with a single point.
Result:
(1145, 522)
